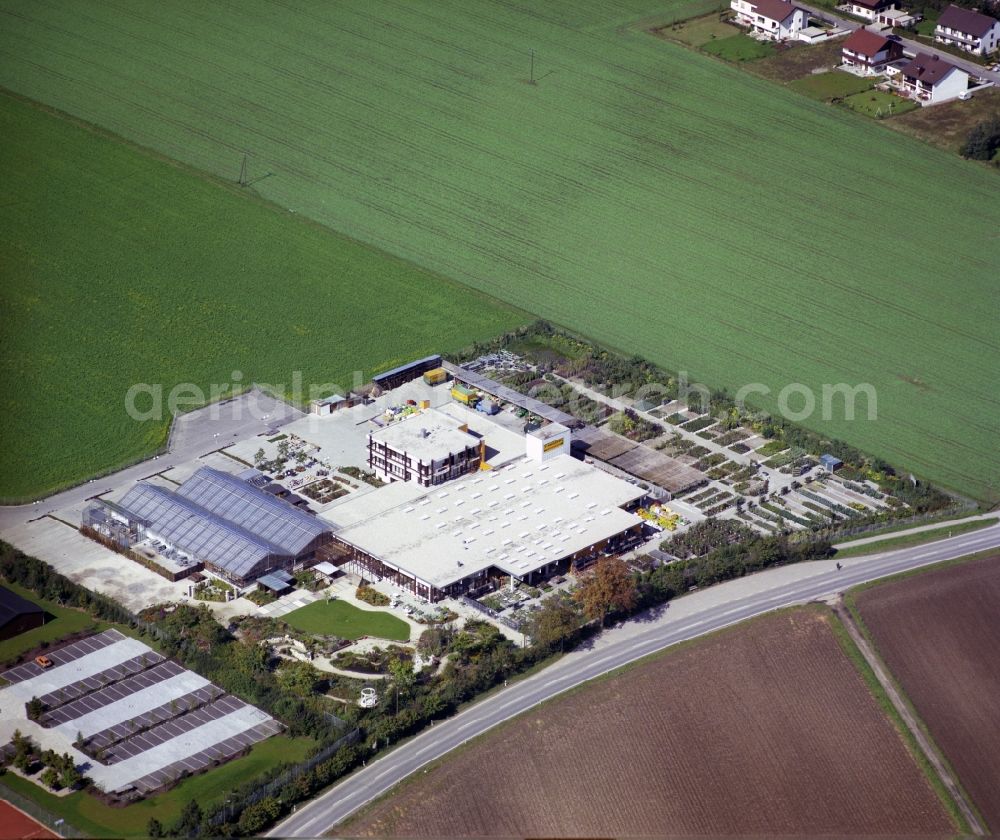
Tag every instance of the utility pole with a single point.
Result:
(243, 171)
(531, 77)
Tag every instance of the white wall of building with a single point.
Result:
(548, 442)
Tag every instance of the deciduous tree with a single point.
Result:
(553, 623)
(609, 588)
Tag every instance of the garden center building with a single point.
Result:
(235, 529)
(524, 520)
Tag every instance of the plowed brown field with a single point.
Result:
(939, 633)
(762, 729)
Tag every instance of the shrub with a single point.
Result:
(983, 141)
(371, 596)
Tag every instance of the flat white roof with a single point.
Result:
(519, 518)
(502, 445)
(549, 431)
(359, 507)
(429, 435)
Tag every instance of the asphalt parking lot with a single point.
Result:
(91, 684)
(174, 728)
(141, 716)
(99, 697)
(217, 752)
(113, 734)
(62, 656)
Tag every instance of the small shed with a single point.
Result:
(274, 584)
(831, 463)
(326, 570)
(17, 614)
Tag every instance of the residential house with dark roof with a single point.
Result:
(779, 20)
(868, 52)
(971, 31)
(930, 79)
(17, 614)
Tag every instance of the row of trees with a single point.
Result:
(478, 655)
(59, 770)
(611, 590)
(43, 580)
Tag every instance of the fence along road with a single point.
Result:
(685, 618)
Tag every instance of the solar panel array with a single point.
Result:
(222, 520)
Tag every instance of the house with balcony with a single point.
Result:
(971, 31)
(930, 79)
(868, 9)
(777, 20)
(867, 53)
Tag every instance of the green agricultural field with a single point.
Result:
(120, 269)
(653, 198)
(339, 618)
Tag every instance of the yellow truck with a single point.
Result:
(464, 395)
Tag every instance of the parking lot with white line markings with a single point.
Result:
(132, 719)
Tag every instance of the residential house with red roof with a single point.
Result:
(867, 53)
(971, 31)
(779, 20)
(930, 79)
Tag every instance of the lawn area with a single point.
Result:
(618, 197)
(96, 819)
(698, 31)
(63, 622)
(879, 104)
(738, 47)
(833, 85)
(908, 540)
(176, 278)
(339, 618)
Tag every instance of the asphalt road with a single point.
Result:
(908, 44)
(686, 618)
(194, 434)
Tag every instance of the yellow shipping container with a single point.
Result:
(436, 376)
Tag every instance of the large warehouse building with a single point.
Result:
(237, 530)
(525, 519)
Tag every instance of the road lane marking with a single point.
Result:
(541, 687)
